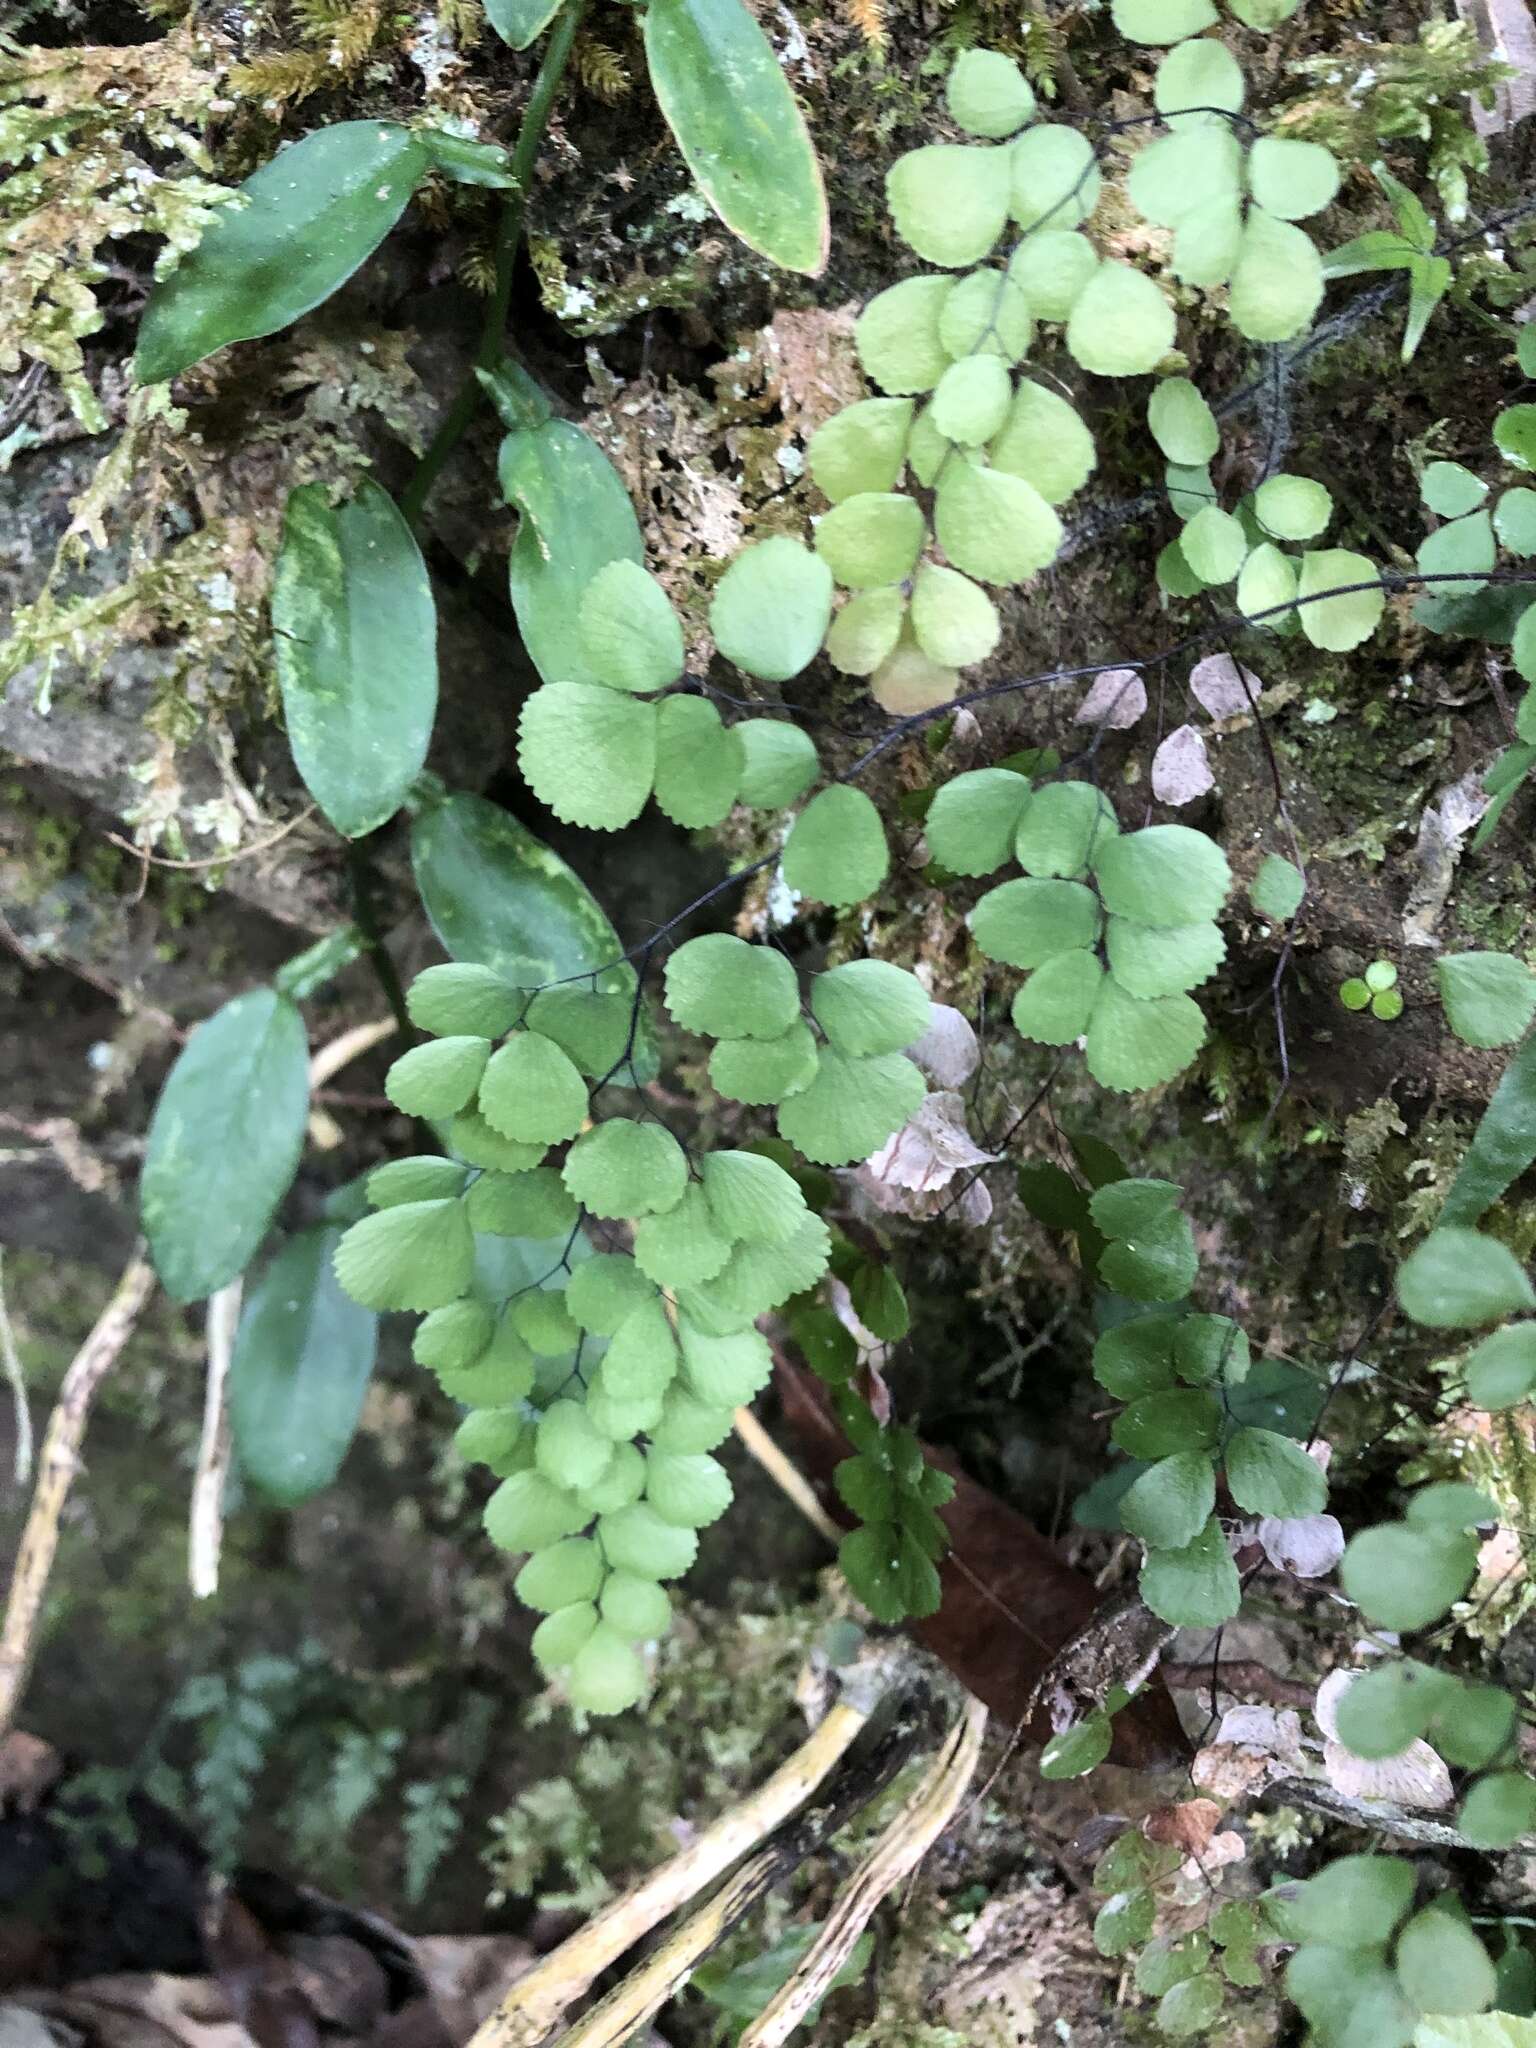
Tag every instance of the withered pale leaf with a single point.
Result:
(1180, 769)
(1309, 1545)
(929, 1150)
(1116, 699)
(948, 1051)
(1216, 684)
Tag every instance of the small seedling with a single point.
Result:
(1376, 990)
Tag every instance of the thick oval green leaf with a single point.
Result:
(300, 227)
(500, 897)
(465, 161)
(577, 518)
(727, 101)
(224, 1141)
(521, 22)
(301, 1367)
(1458, 1279)
(1078, 1749)
(1489, 998)
(355, 636)
(1503, 1145)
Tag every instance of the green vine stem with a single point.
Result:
(509, 235)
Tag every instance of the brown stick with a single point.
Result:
(211, 860)
(56, 1470)
(1238, 1676)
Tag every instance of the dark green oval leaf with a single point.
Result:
(730, 107)
(1077, 1750)
(356, 644)
(1503, 1145)
(301, 1367)
(299, 228)
(1195, 1587)
(500, 897)
(225, 1139)
(466, 161)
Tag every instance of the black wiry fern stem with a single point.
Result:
(509, 235)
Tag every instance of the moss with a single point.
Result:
(716, 1717)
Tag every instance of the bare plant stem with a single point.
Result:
(509, 236)
(10, 1357)
(57, 1465)
(785, 1474)
(205, 1527)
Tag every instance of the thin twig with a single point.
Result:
(349, 1046)
(325, 1133)
(1379, 1815)
(10, 1357)
(57, 1465)
(210, 860)
(536, 2001)
(898, 1852)
(205, 1525)
(1240, 1675)
(789, 1479)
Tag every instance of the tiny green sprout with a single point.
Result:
(1375, 990)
